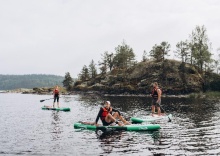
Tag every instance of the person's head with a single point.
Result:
(107, 104)
(155, 84)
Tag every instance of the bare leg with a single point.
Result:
(116, 115)
(109, 118)
(153, 109)
(159, 111)
(58, 105)
(87, 123)
(53, 104)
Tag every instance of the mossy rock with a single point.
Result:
(78, 82)
(81, 88)
(117, 85)
(129, 88)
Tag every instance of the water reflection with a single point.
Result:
(107, 139)
(194, 130)
(67, 99)
(191, 131)
(56, 129)
(124, 140)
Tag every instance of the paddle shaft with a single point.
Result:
(47, 99)
(165, 112)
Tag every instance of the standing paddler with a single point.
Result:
(56, 96)
(156, 95)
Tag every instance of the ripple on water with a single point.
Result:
(28, 130)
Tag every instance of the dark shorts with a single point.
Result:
(56, 97)
(106, 123)
(154, 103)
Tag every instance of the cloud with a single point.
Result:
(56, 36)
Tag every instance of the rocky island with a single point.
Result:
(174, 78)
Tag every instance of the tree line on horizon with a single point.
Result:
(196, 51)
(9, 82)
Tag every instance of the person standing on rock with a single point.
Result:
(56, 95)
(156, 95)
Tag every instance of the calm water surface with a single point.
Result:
(25, 129)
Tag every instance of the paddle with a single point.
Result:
(165, 112)
(46, 99)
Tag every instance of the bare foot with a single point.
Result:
(120, 124)
(127, 123)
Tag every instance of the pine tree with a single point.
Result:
(84, 75)
(217, 61)
(144, 56)
(200, 47)
(182, 50)
(159, 52)
(106, 62)
(156, 53)
(92, 69)
(165, 46)
(103, 70)
(68, 81)
(124, 57)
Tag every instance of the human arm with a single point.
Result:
(99, 115)
(53, 93)
(159, 95)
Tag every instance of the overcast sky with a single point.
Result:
(59, 36)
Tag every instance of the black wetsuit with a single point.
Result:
(103, 120)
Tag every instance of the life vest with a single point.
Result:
(56, 91)
(104, 113)
(154, 93)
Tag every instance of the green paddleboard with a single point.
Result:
(151, 118)
(65, 109)
(133, 127)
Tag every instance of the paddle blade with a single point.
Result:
(169, 119)
(45, 99)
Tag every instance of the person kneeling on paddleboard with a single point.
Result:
(156, 95)
(107, 118)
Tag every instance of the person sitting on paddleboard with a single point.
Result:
(56, 95)
(106, 116)
(156, 95)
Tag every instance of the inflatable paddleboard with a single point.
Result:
(133, 127)
(66, 109)
(151, 118)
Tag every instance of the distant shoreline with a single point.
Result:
(31, 91)
(38, 91)
(46, 91)
(95, 93)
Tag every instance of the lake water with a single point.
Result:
(25, 129)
